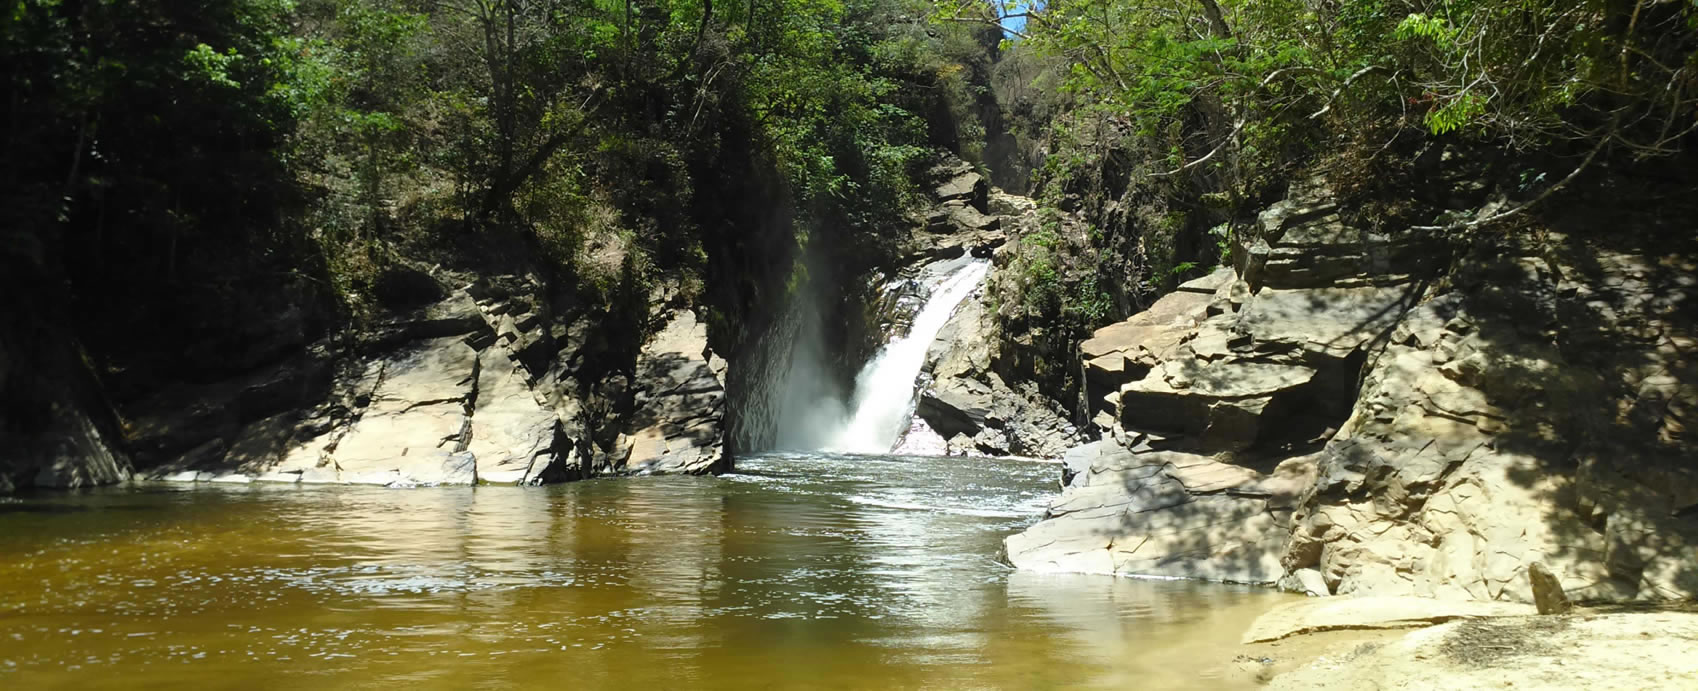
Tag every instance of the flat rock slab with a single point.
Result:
(416, 420)
(514, 438)
(1328, 320)
(1202, 475)
(1220, 379)
(1649, 650)
(1210, 284)
(1368, 613)
(1168, 319)
(1160, 514)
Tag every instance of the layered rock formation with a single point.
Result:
(963, 396)
(969, 404)
(1427, 432)
(56, 430)
(483, 386)
(1165, 513)
(962, 217)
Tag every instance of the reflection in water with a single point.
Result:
(799, 571)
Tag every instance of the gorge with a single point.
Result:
(881, 343)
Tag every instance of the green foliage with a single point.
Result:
(1056, 283)
(196, 148)
(1252, 79)
(213, 66)
(1419, 25)
(1460, 109)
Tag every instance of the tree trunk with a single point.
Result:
(1217, 20)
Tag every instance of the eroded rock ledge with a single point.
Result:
(1428, 431)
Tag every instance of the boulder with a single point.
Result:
(1005, 204)
(1306, 581)
(1076, 464)
(1210, 284)
(962, 184)
(1547, 590)
(1160, 514)
(969, 218)
(955, 407)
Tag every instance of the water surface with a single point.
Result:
(798, 571)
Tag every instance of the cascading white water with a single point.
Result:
(883, 402)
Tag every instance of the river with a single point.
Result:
(797, 571)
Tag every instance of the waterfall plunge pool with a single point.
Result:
(797, 571)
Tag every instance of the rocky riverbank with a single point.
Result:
(483, 385)
(1416, 643)
(1351, 412)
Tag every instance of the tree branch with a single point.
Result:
(1347, 82)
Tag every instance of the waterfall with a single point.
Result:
(883, 402)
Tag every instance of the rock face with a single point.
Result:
(680, 403)
(962, 218)
(416, 424)
(514, 438)
(1530, 408)
(482, 386)
(970, 405)
(73, 452)
(441, 400)
(55, 430)
(1489, 439)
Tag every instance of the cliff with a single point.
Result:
(1350, 411)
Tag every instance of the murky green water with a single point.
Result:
(796, 572)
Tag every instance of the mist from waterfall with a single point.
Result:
(883, 402)
(786, 394)
(810, 402)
